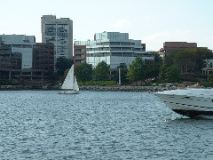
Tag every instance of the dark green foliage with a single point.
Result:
(163, 72)
(98, 83)
(189, 60)
(172, 74)
(136, 70)
(102, 72)
(84, 72)
(152, 69)
(188, 63)
(62, 65)
(169, 73)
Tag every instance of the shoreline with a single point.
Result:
(126, 88)
(91, 88)
(148, 88)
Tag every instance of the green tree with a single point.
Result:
(201, 55)
(169, 73)
(62, 65)
(172, 74)
(102, 71)
(163, 70)
(189, 62)
(136, 70)
(152, 68)
(84, 72)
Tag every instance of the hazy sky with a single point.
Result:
(152, 21)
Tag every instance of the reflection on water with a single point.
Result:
(98, 125)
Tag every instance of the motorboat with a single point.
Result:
(191, 102)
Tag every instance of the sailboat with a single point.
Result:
(70, 84)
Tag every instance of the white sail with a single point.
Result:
(76, 88)
(69, 80)
(70, 83)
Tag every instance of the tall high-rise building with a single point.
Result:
(60, 33)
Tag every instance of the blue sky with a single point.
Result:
(152, 21)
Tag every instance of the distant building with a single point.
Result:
(21, 44)
(43, 60)
(60, 33)
(22, 58)
(208, 69)
(18, 39)
(10, 63)
(79, 53)
(169, 47)
(114, 48)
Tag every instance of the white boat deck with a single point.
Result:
(195, 92)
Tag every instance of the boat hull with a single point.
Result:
(195, 113)
(69, 92)
(190, 106)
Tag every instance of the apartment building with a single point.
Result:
(60, 33)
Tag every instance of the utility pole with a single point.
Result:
(119, 72)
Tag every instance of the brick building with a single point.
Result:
(169, 47)
(79, 54)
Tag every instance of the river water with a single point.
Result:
(41, 125)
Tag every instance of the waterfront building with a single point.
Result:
(113, 48)
(79, 53)
(10, 63)
(60, 33)
(170, 47)
(21, 44)
(208, 69)
(43, 60)
(22, 58)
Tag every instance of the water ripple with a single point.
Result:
(98, 125)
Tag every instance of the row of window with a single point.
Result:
(59, 34)
(115, 43)
(130, 54)
(115, 49)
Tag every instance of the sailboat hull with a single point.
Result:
(69, 92)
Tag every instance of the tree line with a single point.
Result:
(180, 65)
(185, 64)
(139, 70)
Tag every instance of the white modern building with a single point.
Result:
(21, 44)
(114, 48)
(60, 33)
